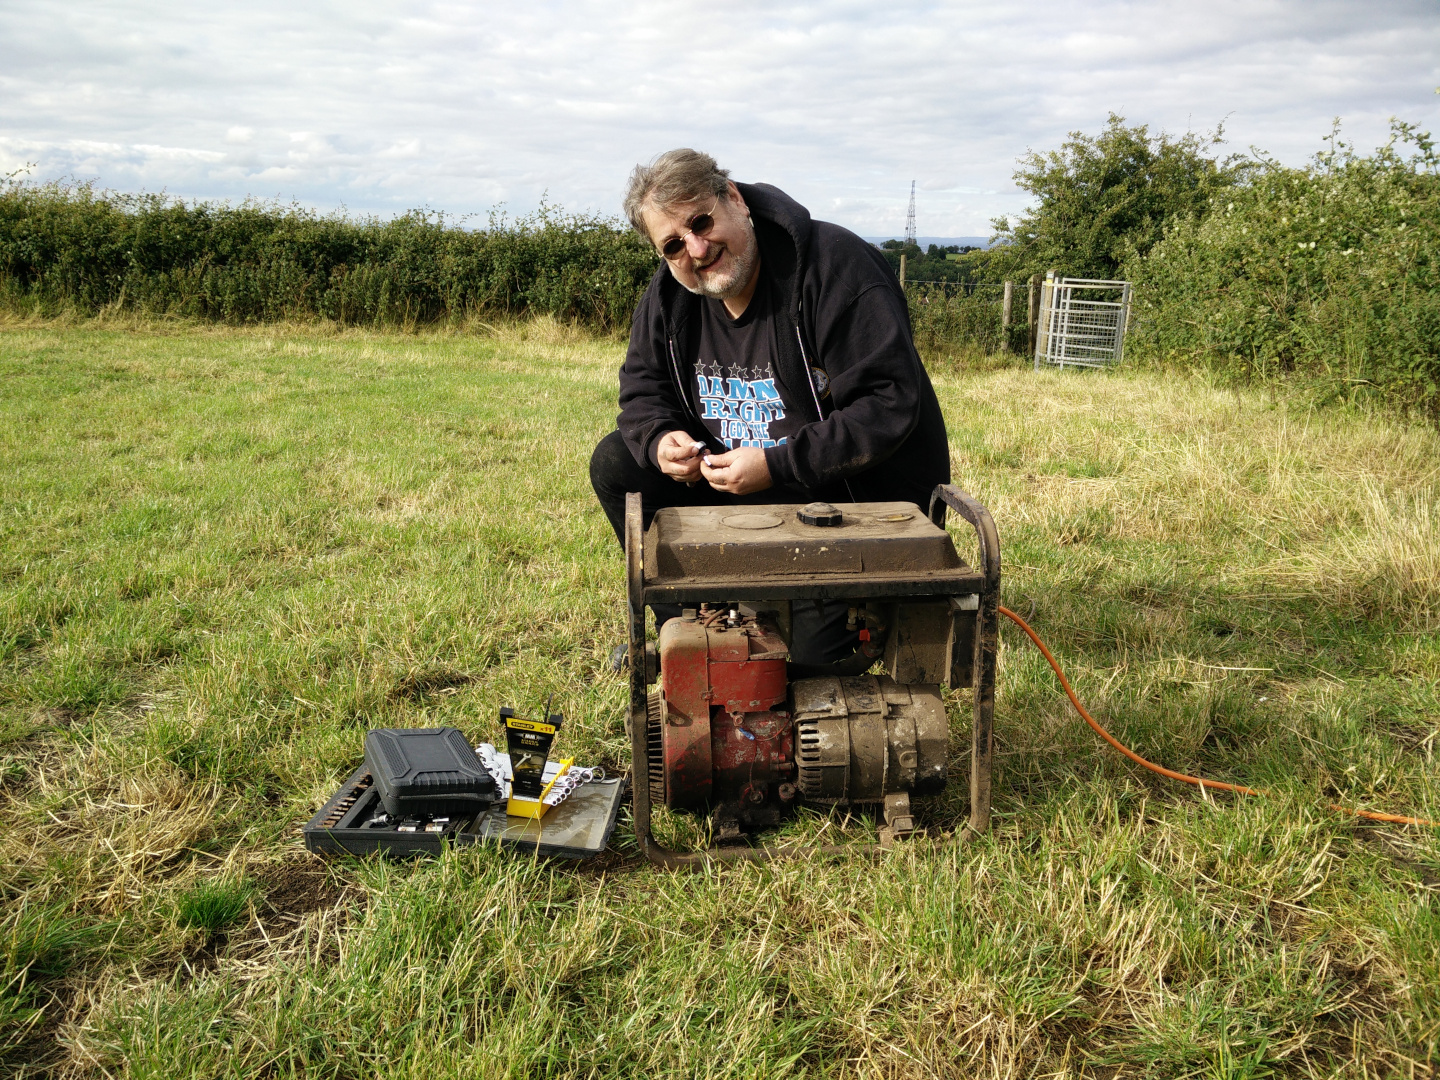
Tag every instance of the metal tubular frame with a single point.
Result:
(986, 635)
(1082, 333)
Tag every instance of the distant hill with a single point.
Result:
(938, 241)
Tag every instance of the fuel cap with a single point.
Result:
(819, 513)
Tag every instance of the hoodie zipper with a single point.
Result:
(679, 384)
(810, 379)
(809, 376)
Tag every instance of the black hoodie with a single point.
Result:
(845, 362)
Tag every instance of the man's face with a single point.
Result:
(718, 264)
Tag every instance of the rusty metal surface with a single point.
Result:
(962, 645)
(655, 746)
(987, 637)
(898, 817)
(918, 649)
(753, 755)
(722, 736)
(862, 586)
(885, 548)
(685, 725)
(751, 736)
(635, 631)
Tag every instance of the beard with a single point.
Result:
(742, 266)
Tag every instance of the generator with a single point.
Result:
(724, 722)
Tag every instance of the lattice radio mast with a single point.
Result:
(910, 218)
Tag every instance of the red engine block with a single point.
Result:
(725, 739)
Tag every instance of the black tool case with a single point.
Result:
(427, 771)
(355, 822)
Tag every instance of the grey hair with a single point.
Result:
(676, 176)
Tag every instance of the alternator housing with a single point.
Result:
(860, 739)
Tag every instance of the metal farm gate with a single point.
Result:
(1082, 322)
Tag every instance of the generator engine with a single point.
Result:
(727, 732)
(740, 708)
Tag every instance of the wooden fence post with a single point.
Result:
(1005, 317)
(902, 270)
(1047, 304)
(1034, 310)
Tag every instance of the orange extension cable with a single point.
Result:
(1370, 815)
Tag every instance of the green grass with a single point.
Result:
(213, 906)
(225, 554)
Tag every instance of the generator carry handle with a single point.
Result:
(985, 639)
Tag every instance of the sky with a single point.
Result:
(473, 107)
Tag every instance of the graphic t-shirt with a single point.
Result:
(735, 370)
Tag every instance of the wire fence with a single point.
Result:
(968, 313)
(1062, 321)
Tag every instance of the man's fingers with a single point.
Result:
(719, 474)
(679, 455)
(739, 471)
(679, 445)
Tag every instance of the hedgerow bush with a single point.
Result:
(73, 248)
(1328, 274)
(965, 314)
(1325, 274)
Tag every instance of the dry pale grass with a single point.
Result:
(1340, 507)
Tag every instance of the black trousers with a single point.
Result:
(818, 634)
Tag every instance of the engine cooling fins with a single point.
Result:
(654, 747)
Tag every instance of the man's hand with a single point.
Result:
(738, 472)
(679, 456)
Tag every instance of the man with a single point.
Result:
(770, 361)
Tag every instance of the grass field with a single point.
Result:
(225, 554)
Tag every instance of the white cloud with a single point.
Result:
(457, 105)
(177, 153)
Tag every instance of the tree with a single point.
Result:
(1101, 197)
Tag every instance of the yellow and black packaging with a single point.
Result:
(529, 742)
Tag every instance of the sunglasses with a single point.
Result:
(699, 225)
